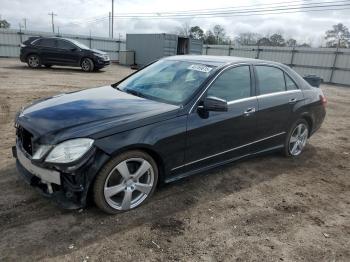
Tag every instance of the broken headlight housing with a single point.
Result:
(69, 151)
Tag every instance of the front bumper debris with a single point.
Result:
(68, 190)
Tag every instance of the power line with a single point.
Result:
(290, 3)
(223, 13)
(310, 7)
(258, 14)
(275, 5)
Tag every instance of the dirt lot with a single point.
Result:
(263, 209)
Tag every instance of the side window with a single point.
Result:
(62, 44)
(47, 42)
(232, 84)
(36, 42)
(270, 79)
(290, 83)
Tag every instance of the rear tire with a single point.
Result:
(33, 61)
(87, 65)
(296, 139)
(125, 182)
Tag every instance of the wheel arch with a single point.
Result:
(33, 53)
(309, 121)
(141, 147)
(86, 56)
(150, 151)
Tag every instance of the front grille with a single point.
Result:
(25, 138)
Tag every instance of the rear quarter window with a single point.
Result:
(290, 84)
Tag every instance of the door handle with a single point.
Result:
(292, 100)
(249, 111)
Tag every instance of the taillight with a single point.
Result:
(323, 100)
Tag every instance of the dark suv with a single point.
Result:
(50, 51)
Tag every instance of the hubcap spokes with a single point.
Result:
(33, 61)
(134, 178)
(298, 139)
(85, 65)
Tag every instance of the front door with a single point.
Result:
(220, 136)
(67, 52)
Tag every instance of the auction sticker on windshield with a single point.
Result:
(201, 68)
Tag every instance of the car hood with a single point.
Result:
(92, 113)
(98, 51)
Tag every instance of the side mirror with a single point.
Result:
(212, 103)
(73, 49)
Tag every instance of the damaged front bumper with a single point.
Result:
(67, 188)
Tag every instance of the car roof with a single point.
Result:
(51, 37)
(218, 60)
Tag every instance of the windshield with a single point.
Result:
(168, 81)
(78, 44)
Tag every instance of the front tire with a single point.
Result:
(296, 139)
(125, 182)
(33, 61)
(87, 65)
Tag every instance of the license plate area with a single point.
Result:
(46, 175)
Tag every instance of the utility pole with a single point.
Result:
(109, 24)
(112, 17)
(53, 25)
(25, 23)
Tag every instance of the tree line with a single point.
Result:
(338, 36)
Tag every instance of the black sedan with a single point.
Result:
(176, 117)
(49, 51)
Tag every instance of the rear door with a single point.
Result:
(276, 100)
(48, 50)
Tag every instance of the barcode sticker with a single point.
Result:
(201, 68)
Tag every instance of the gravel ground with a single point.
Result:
(264, 209)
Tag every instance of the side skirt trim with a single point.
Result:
(226, 151)
(192, 172)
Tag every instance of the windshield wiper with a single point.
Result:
(134, 92)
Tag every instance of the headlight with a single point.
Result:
(104, 57)
(41, 151)
(69, 150)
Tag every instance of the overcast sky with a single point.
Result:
(75, 16)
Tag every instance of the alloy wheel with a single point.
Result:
(33, 61)
(129, 183)
(85, 65)
(298, 139)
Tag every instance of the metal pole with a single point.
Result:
(334, 62)
(53, 25)
(20, 32)
(112, 17)
(25, 23)
(90, 39)
(109, 24)
(292, 58)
